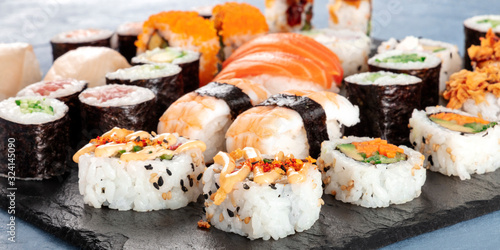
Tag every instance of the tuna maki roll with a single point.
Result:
(165, 80)
(188, 60)
(127, 35)
(127, 170)
(386, 101)
(38, 129)
(454, 142)
(114, 105)
(262, 196)
(371, 172)
(420, 64)
(66, 41)
(475, 28)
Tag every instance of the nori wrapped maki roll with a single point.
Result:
(476, 27)
(66, 91)
(163, 79)
(66, 41)
(188, 60)
(386, 101)
(114, 105)
(38, 130)
(420, 64)
(127, 35)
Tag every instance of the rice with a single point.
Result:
(130, 29)
(146, 71)
(476, 23)
(488, 109)
(430, 60)
(114, 95)
(68, 87)
(82, 36)
(155, 56)
(10, 111)
(385, 78)
(345, 15)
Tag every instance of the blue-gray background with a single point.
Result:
(36, 22)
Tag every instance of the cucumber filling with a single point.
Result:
(32, 106)
(404, 58)
(493, 23)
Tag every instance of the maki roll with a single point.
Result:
(114, 105)
(454, 142)
(351, 47)
(350, 14)
(163, 79)
(262, 196)
(488, 53)
(420, 64)
(289, 15)
(295, 122)
(477, 92)
(371, 172)
(185, 29)
(386, 101)
(127, 35)
(204, 11)
(236, 24)
(21, 59)
(128, 170)
(206, 113)
(475, 28)
(188, 60)
(70, 40)
(66, 91)
(451, 61)
(38, 128)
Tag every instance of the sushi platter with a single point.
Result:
(231, 127)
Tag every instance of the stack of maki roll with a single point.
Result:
(475, 28)
(456, 143)
(125, 170)
(70, 40)
(386, 101)
(420, 64)
(127, 35)
(165, 80)
(262, 196)
(188, 60)
(114, 105)
(38, 128)
(371, 172)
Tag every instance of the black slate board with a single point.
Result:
(56, 206)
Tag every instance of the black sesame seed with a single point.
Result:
(451, 55)
(138, 139)
(254, 162)
(209, 192)
(192, 166)
(279, 195)
(184, 189)
(327, 168)
(359, 68)
(323, 185)
(230, 213)
(462, 133)
(199, 176)
(165, 141)
(245, 186)
(205, 196)
(168, 172)
(217, 185)
(190, 181)
(156, 185)
(485, 134)
(160, 181)
(273, 186)
(103, 190)
(237, 209)
(148, 167)
(414, 144)
(204, 211)
(430, 160)
(283, 168)
(423, 139)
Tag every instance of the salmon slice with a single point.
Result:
(296, 44)
(278, 64)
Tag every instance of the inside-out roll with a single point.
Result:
(475, 28)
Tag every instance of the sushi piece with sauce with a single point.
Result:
(188, 60)
(454, 142)
(451, 61)
(206, 113)
(289, 15)
(114, 105)
(420, 64)
(350, 14)
(487, 53)
(165, 80)
(66, 91)
(371, 172)
(475, 28)
(38, 129)
(128, 170)
(262, 196)
(70, 40)
(476, 92)
(127, 35)
(294, 122)
(386, 101)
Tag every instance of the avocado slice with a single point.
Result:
(157, 41)
(166, 56)
(453, 126)
(351, 151)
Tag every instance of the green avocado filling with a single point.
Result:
(136, 148)
(351, 151)
(32, 106)
(438, 50)
(474, 127)
(404, 58)
(166, 157)
(374, 76)
(493, 23)
(167, 55)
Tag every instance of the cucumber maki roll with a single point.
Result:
(262, 196)
(456, 143)
(70, 40)
(128, 170)
(38, 128)
(475, 28)
(371, 172)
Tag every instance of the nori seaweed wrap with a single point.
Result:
(124, 106)
(66, 41)
(38, 129)
(425, 66)
(386, 102)
(475, 28)
(127, 35)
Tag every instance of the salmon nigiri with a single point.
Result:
(296, 44)
(279, 71)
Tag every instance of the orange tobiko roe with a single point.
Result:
(377, 145)
(238, 19)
